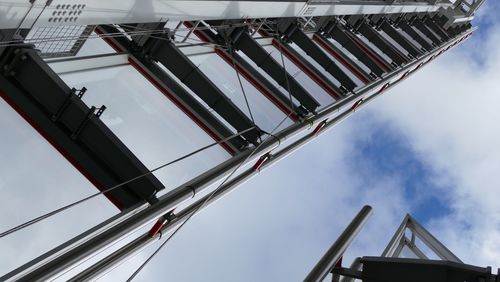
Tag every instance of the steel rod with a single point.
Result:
(336, 251)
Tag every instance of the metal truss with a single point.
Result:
(391, 266)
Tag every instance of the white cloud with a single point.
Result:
(275, 227)
(449, 113)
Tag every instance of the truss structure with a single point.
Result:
(393, 265)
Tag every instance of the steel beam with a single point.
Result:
(76, 64)
(336, 251)
(434, 244)
(387, 48)
(362, 52)
(426, 31)
(403, 24)
(250, 74)
(309, 69)
(400, 39)
(175, 93)
(295, 34)
(166, 53)
(35, 91)
(244, 42)
(437, 28)
(345, 60)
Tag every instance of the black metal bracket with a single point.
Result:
(74, 92)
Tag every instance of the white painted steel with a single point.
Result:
(91, 12)
(76, 64)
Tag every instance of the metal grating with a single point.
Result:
(59, 41)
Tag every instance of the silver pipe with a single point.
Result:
(93, 244)
(144, 240)
(336, 251)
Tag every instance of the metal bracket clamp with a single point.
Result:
(319, 127)
(168, 217)
(91, 113)
(260, 162)
(74, 92)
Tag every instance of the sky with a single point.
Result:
(427, 147)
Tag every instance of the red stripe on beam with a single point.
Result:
(285, 109)
(61, 150)
(332, 52)
(171, 97)
(369, 53)
(306, 69)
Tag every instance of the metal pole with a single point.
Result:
(53, 266)
(355, 265)
(144, 240)
(330, 258)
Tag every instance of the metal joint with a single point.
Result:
(74, 92)
(85, 121)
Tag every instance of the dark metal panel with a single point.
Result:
(263, 85)
(400, 39)
(343, 58)
(425, 30)
(360, 51)
(244, 42)
(176, 93)
(413, 34)
(57, 113)
(315, 52)
(165, 52)
(378, 269)
(374, 37)
(251, 74)
(314, 73)
(437, 28)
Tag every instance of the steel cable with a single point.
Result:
(61, 209)
(138, 270)
(270, 135)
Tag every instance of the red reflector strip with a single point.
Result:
(258, 165)
(384, 87)
(359, 102)
(405, 75)
(157, 227)
(319, 127)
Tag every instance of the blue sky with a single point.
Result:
(427, 147)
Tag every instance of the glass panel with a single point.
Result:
(341, 66)
(351, 56)
(266, 115)
(375, 48)
(94, 46)
(151, 126)
(179, 82)
(394, 43)
(269, 78)
(36, 179)
(409, 38)
(312, 87)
